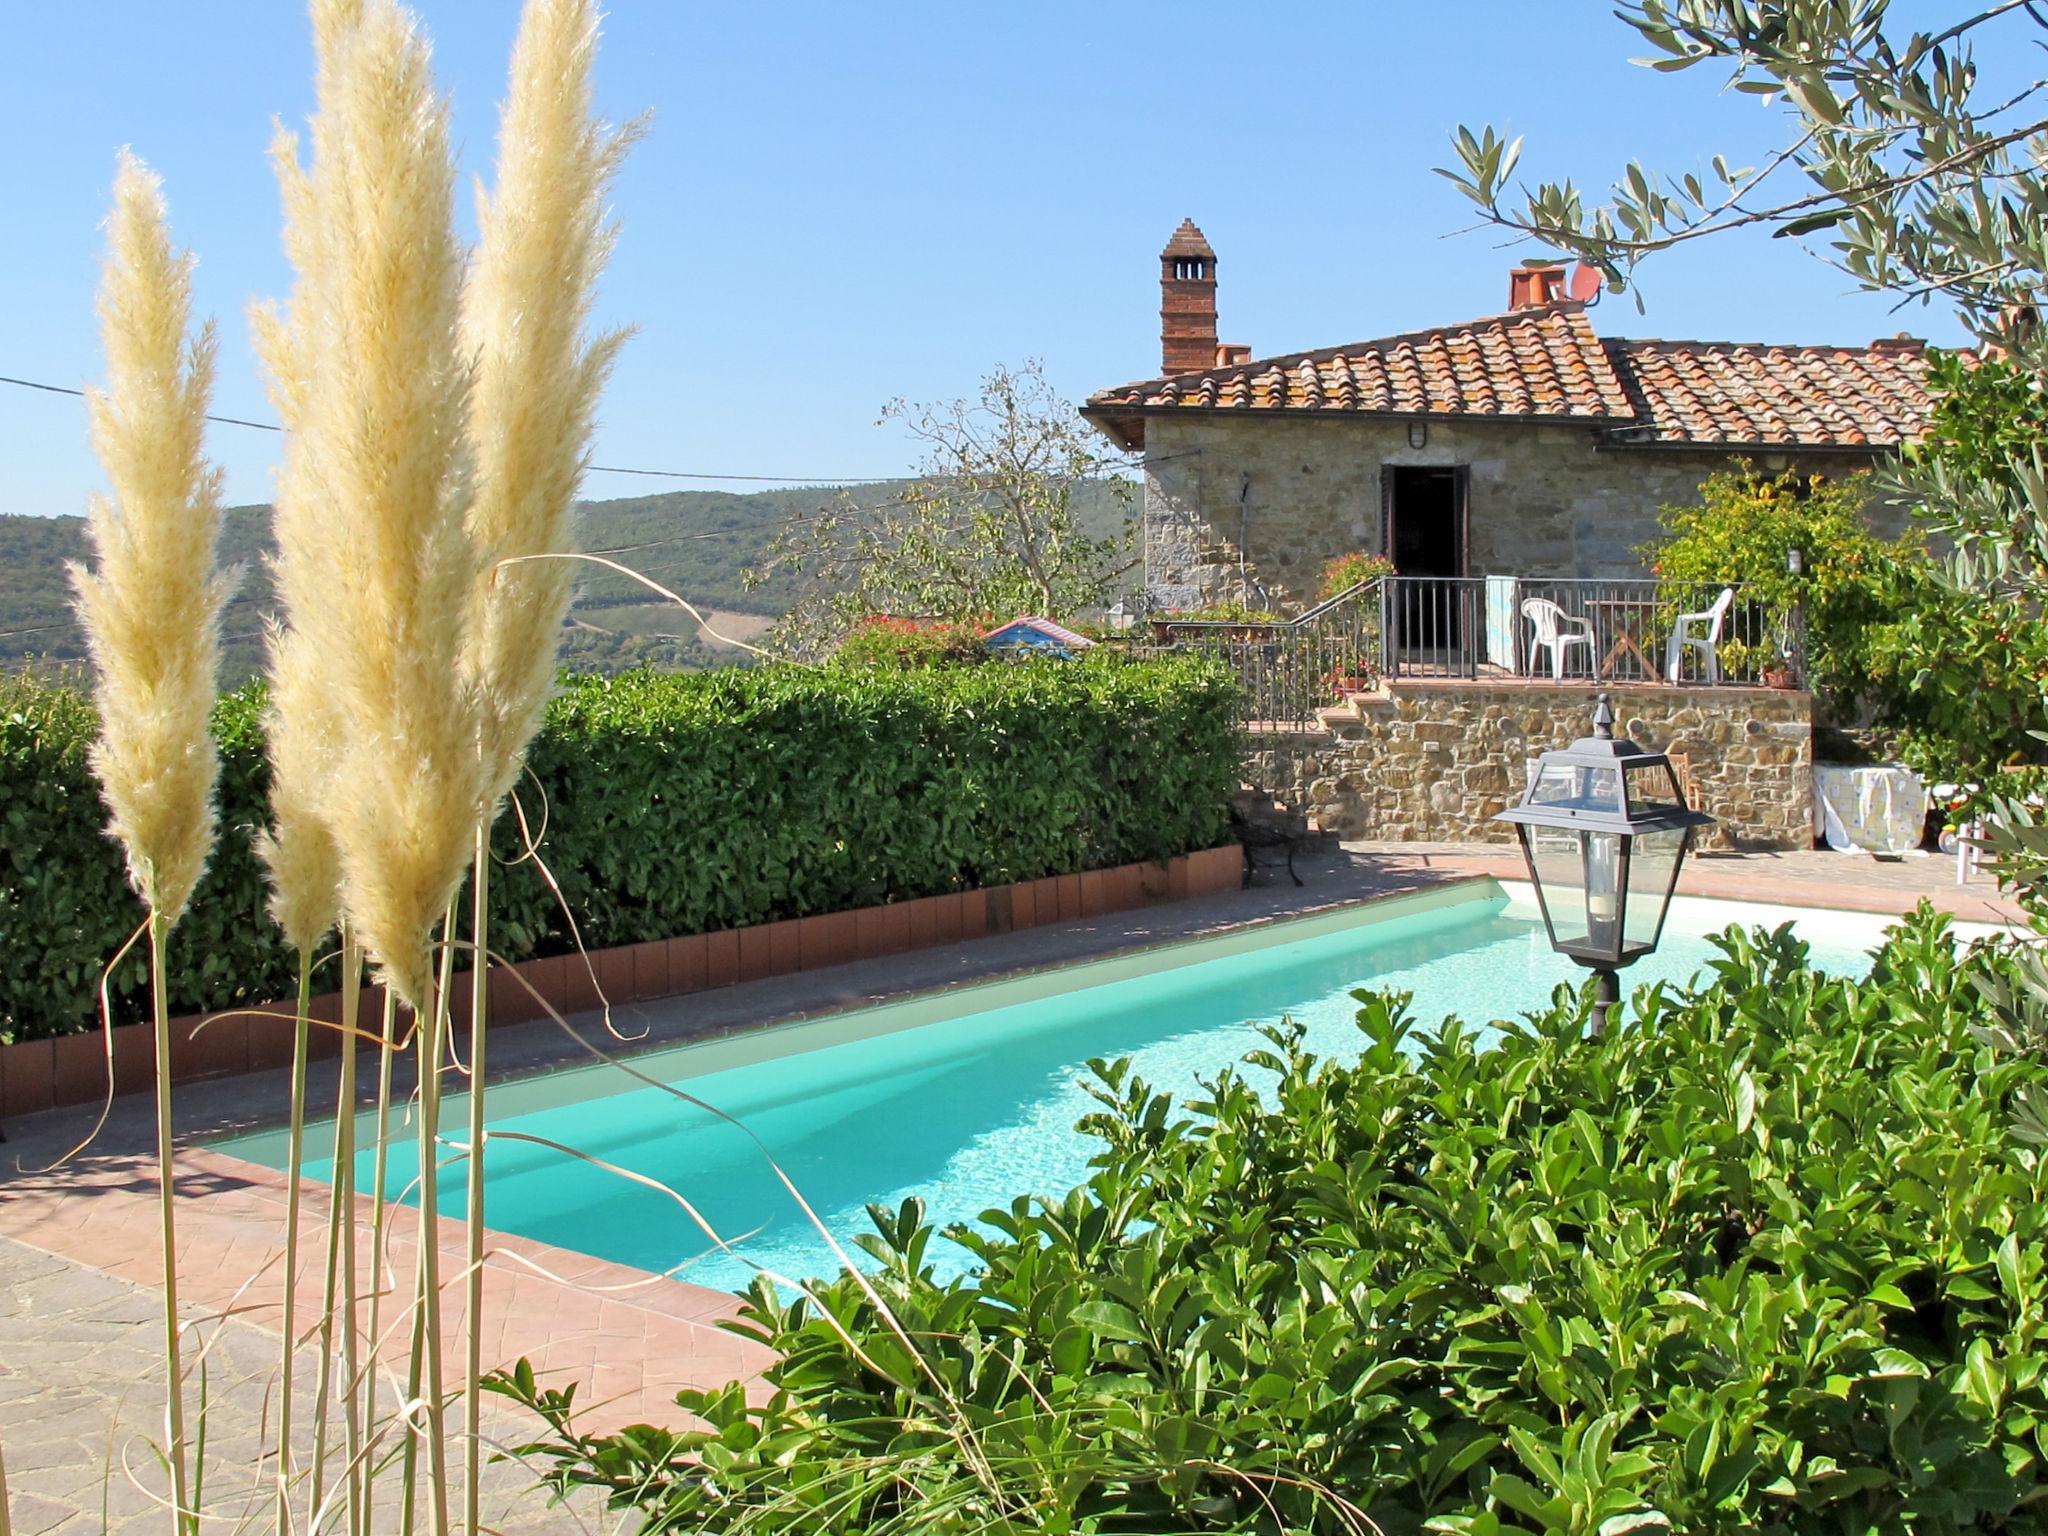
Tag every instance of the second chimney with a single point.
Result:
(1534, 287)
(1187, 302)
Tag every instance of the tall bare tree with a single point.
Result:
(995, 523)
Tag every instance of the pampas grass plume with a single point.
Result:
(299, 849)
(544, 239)
(151, 605)
(375, 562)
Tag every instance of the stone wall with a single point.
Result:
(1231, 501)
(1434, 762)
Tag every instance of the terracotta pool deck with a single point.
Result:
(632, 1340)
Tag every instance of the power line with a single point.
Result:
(601, 469)
(681, 474)
(59, 389)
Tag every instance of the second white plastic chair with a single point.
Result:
(1707, 641)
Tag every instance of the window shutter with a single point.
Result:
(1462, 496)
(1387, 510)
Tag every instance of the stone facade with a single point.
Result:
(1252, 508)
(1434, 762)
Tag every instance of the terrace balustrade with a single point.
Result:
(1478, 629)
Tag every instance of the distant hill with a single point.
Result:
(695, 543)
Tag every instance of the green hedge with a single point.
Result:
(672, 804)
(1764, 1260)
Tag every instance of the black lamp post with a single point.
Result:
(1604, 828)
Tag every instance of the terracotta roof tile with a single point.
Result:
(1739, 393)
(1547, 364)
(1541, 362)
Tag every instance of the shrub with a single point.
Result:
(1226, 611)
(1851, 585)
(65, 907)
(882, 641)
(672, 804)
(1762, 1260)
(1347, 571)
(1964, 670)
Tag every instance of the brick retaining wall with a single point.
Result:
(36, 1075)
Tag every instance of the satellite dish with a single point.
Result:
(1585, 283)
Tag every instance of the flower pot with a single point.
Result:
(1777, 677)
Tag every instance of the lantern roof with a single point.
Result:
(1605, 783)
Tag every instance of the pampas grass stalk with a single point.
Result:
(299, 848)
(299, 853)
(338, 1287)
(543, 240)
(150, 609)
(473, 1208)
(295, 1156)
(430, 1389)
(379, 1221)
(369, 353)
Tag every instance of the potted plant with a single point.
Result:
(1776, 671)
(1347, 678)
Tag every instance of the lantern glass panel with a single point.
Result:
(1576, 787)
(1653, 787)
(1578, 877)
(1652, 872)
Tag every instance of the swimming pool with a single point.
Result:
(970, 1098)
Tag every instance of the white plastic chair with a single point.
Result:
(1555, 631)
(1707, 642)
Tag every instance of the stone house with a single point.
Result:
(1522, 443)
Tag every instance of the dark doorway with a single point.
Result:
(1426, 514)
(1423, 513)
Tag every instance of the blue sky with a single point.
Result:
(840, 204)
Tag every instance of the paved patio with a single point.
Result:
(78, 1375)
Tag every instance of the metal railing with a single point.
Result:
(1290, 668)
(1628, 631)
(1491, 628)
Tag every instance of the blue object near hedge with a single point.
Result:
(1037, 636)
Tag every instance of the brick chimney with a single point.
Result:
(1187, 302)
(1534, 287)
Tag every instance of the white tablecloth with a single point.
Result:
(1882, 809)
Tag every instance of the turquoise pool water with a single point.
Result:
(971, 1110)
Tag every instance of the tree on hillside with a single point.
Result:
(991, 527)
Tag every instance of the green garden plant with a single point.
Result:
(1965, 661)
(883, 641)
(672, 803)
(1761, 1261)
(1348, 571)
(1228, 610)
